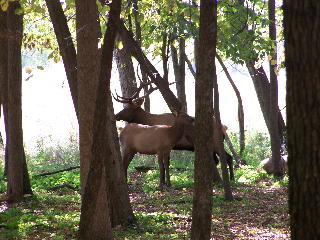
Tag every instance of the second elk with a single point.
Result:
(133, 113)
(157, 139)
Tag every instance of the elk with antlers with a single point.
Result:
(133, 113)
(157, 139)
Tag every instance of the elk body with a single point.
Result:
(156, 139)
(267, 164)
(133, 113)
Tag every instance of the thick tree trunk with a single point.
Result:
(302, 49)
(120, 207)
(72, 79)
(202, 200)
(274, 133)
(16, 160)
(87, 76)
(66, 47)
(179, 72)
(103, 156)
(240, 105)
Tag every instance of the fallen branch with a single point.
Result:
(63, 186)
(147, 168)
(58, 171)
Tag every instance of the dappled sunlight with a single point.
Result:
(259, 211)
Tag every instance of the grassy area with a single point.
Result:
(259, 211)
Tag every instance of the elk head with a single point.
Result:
(132, 108)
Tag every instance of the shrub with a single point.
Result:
(256, 149)
(52, 155)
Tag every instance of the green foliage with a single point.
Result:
(249, 174)
(243, 31)
(44, 215)
(49, 155)
(257, 147)
(47, 182)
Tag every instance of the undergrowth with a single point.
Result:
(55, 214)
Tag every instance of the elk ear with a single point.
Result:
(138, 102)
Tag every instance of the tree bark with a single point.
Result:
(274, 133)
(302, 49)
(127, 76)
(179, 72)
(202, 200)
(165, 56)
(66, 47)
(103, 156)
(16, 160)
(262, 87)
(87, 79)
(240, 106)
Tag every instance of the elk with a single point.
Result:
(133, 113)
(156, 139)
(267, 164)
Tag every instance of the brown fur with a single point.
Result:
(157, 139)
(133, 113)
(267, 164)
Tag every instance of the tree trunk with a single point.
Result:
(87, 76)
(153, 74)
(4, 78)
(165, 56)
(274, 133)
(202, 200)
(138, 39)
(120, 207)
(218, 134)
(240, 106)
(179, 72)
(262, 87)
(301, 30)
(73, 81)
(103, 156)
(127, 76)
(16, 160)
(196, 53)
(66, 47)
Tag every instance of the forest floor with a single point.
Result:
(260, 210)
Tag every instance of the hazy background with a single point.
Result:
(48, 111)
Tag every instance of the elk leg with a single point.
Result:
(127, 157)
(166, 161)
(161, 169)
(229, 161)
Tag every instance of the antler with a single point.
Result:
(134, 96)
